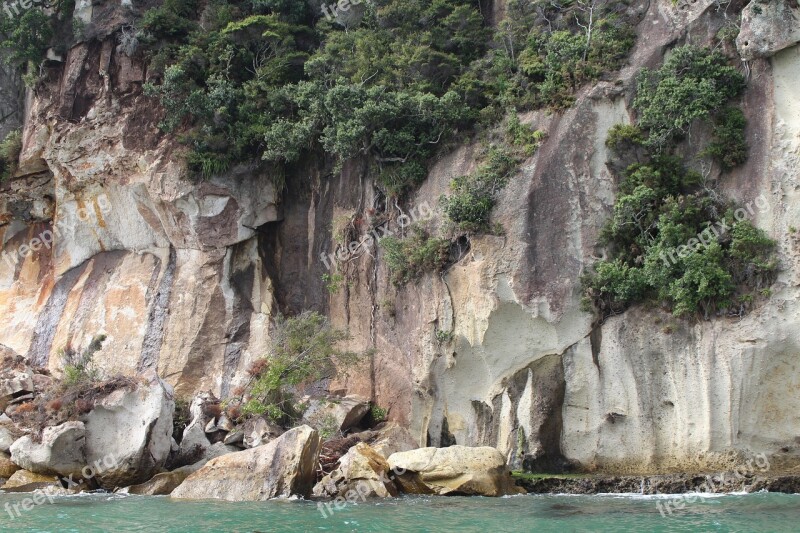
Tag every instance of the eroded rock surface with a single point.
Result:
(362, 470)
(284, 467)
(456, 470)
(768, 26)
(61, 450)
(130, 433)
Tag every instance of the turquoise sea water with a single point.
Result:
(119, 513)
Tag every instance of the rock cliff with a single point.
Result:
(103, 232)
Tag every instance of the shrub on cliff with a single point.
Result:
(303, 349)
(473, 195)
(671, 241)
(692, 84)
(410, 258)
(10, 149)
(672, 238)
(27, 37)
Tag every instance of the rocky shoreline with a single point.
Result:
(718, 483)
(126, 435)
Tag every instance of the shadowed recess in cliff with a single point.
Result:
(242, 284)
(157, 318)
(50, 316)
(525, 420)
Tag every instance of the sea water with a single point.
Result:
(557, 513)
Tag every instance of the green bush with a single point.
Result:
(78, 367)
(471, 203)
(27, 37)
(260, 79)
(550, 54)
(667, 244)
(624, 135)
(170, 20)
(691, 85)
(10, 149)
(410, 258)
(303, 349)
(729, 145)
(377, 413)
(666, 239)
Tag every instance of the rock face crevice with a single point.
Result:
(184, 277)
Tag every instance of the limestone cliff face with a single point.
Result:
(183, 277)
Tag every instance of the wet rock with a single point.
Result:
(361, 469)
(164, 483)
(25, 481)
(61, 450)
(7, 468)
(282, 468)
(457, 470)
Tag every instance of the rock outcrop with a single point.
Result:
(7, 467)
(338, 414)
(164, 483)
(393, 438)
(7, 437)
(362, 470)
(284, 467)
(768, 26)
(25, 481)
(61, 450)
(258, 431)
(129, 432)
(184, 277)
(195, 444)
(457, 470)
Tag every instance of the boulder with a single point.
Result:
(393, 438)
(7, 437)
(234, 438)
(61, 450)
(164, 483)
(362, 470)
(25, 481)
(41, 382)
(195, 445)
(129, 433)
(456, 470)
(7, 468)
(15, 383)
(284, 467)
(767, 27)
(259, 431)
(225, 424)
(336, 413)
